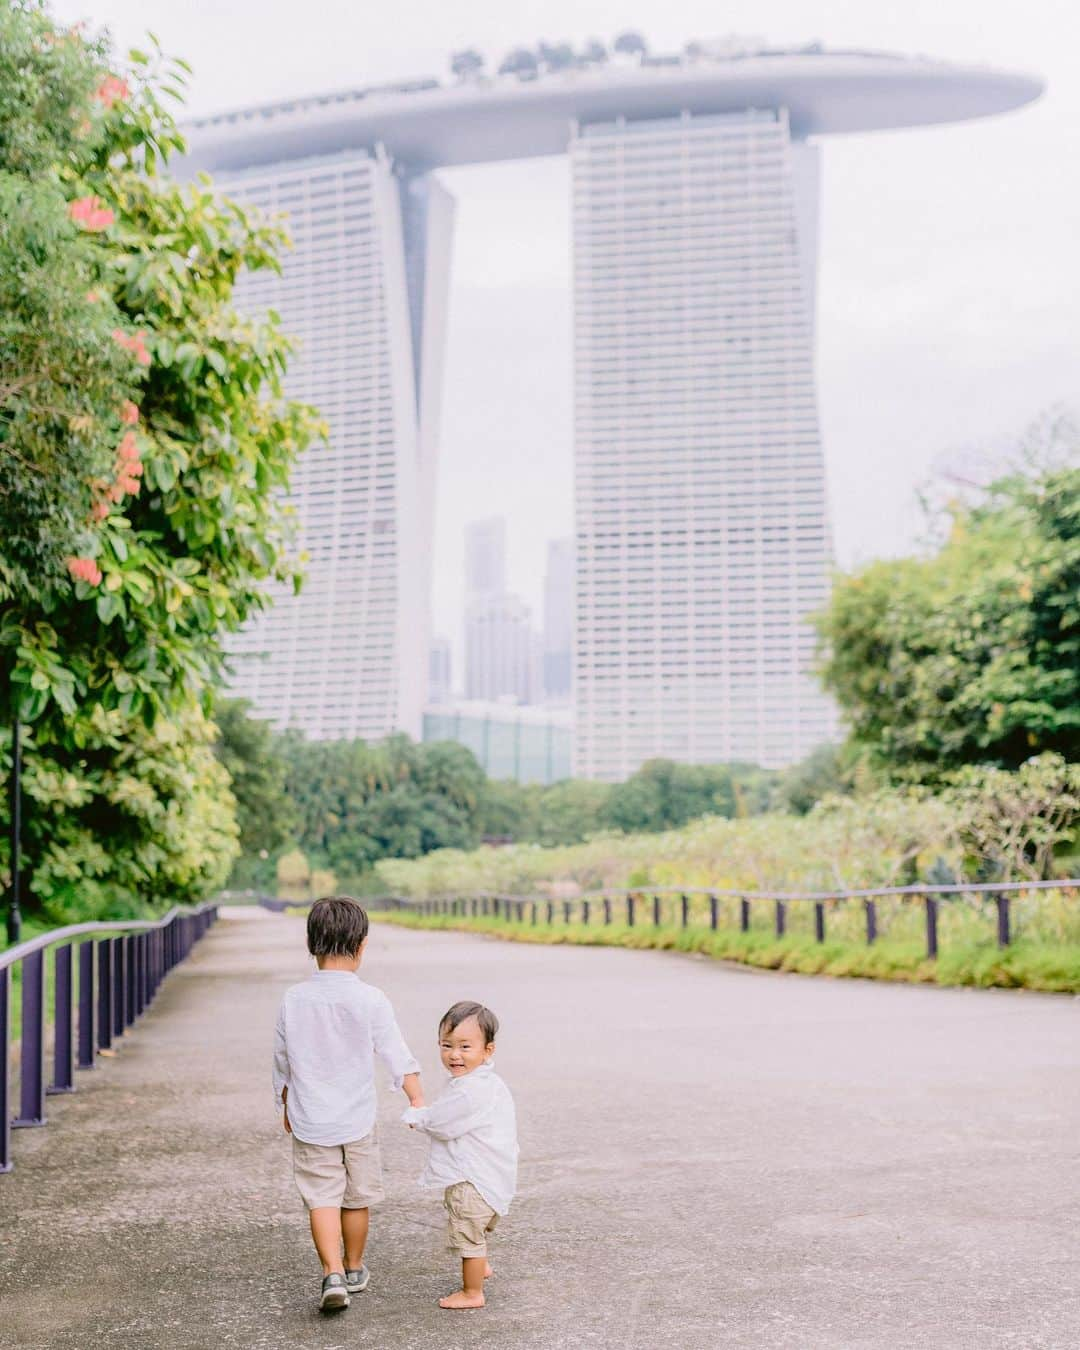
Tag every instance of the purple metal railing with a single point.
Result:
(113, 991)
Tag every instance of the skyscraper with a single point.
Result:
(440, 682)
(558, 620)
(364, 292)
(702, 531)
(702, 536)
(485, 556)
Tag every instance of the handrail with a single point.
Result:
(55, 935)
(119, 975)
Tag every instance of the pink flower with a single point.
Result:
(135, 343)
(85, 569)
(100, 511)
(92, 297)
(91, 214)
(127, 484)
(129, 414)
(128, 449)
(112, 90)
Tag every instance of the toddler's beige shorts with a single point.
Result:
(339, 1176)
(469, 1219)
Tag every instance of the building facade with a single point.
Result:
(528, 745)
(558, 620)
(702, 531)
(364, 293)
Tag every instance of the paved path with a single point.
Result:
(711, 1158)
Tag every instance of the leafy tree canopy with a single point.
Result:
(971, 655)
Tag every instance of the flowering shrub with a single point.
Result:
(145, 447)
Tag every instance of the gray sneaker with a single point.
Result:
(357, 1280)
(335, 1293)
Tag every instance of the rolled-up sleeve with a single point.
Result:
(453, 1114)
(390, 1044)
(281, 1058)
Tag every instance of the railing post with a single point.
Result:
(781, 918)
(1004, 937)
(585, 913)
(32, 1053)
(685, 911)
(607, 910)
(86, 1004)
(131, 978)
(104, 992)
(819, 921)
(566, 912)
(931, 927)
(871, 922)
(714, 913)
(63, 1023)
(533, 919)
(629, 911)
(119, 990)
(744, 914)
(656, 911)
(5, 1072)
(140, 973)
(550, 913)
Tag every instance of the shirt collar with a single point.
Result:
(333, 974)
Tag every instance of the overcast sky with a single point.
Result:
(950, 279)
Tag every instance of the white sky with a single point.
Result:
(949, 286)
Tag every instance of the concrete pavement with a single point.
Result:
(711, 1157)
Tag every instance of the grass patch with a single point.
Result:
(976, 963)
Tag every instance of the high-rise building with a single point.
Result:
(501, 649)
(485, 556)
(558, 620)
(440, 671)
(364, 291)
(702, 530)
(702, 535)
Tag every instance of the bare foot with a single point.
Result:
(462, 1299)
(488, 1272)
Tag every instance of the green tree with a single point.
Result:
(110, 666)
(571, 811)
(248, 749)
(971, 655)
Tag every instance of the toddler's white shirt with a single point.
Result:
(473, 1132)
(329, 1030)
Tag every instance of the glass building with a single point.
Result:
(529, 745)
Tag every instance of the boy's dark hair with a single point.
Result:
(336, 926)
(461, 1012)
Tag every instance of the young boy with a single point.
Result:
(329, 1030)
(474, 1148)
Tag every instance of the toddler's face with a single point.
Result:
(463, 1049)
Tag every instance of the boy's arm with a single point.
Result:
(454, 1113)
(281, 1067)
(395, 1054)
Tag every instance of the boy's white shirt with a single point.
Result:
(472, 1128)
(329, 1030)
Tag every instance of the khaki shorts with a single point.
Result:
(339, 1176)
(469, 1219)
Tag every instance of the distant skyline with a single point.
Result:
(941, 326)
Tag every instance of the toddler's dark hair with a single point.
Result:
(461, 1012)
(336, 926)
